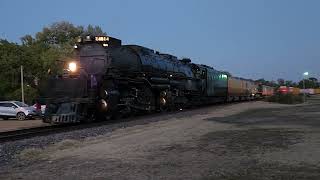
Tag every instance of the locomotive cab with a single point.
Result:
(92, 52)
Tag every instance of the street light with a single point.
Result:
(305, 74)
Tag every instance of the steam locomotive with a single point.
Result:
(107, 79)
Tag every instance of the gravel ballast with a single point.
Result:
(252, 140)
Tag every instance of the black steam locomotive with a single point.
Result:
(108, 79)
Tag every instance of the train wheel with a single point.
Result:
(163, 105)
(146, 99)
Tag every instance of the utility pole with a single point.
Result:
(305, 74)
(22, 91)
(304, 91)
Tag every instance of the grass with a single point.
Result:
(285, 99)
(31, 154)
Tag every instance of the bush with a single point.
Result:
(286, 98)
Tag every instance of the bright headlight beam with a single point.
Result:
(72, 66)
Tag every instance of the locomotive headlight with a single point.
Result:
(73, 66)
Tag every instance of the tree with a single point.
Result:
(59, 33)
(94, 30)
(295, 84)
(313, 79)
(309, 83)
(10, 60)
(267, 83)
(65, 33)
(281, 82)
(27, 40)
(288, 83)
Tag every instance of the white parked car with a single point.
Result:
(21, 111)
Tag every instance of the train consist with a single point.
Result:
(107, 79)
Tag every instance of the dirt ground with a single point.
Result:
(253, 140)
(13, 124)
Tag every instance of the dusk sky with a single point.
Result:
(268, 39)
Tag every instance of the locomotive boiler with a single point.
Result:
(107, 79)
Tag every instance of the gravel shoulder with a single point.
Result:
(252, 140)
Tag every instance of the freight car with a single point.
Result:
(294, 90)
(283, 90)
(241, 89)
(317, 91)
(107, 79)
(289, 90)
(264, 91)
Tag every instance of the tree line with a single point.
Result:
(308, 83)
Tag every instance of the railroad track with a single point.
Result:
(30, 132)
(47, 130)
(55, 129)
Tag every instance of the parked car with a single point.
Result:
(21, 111)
